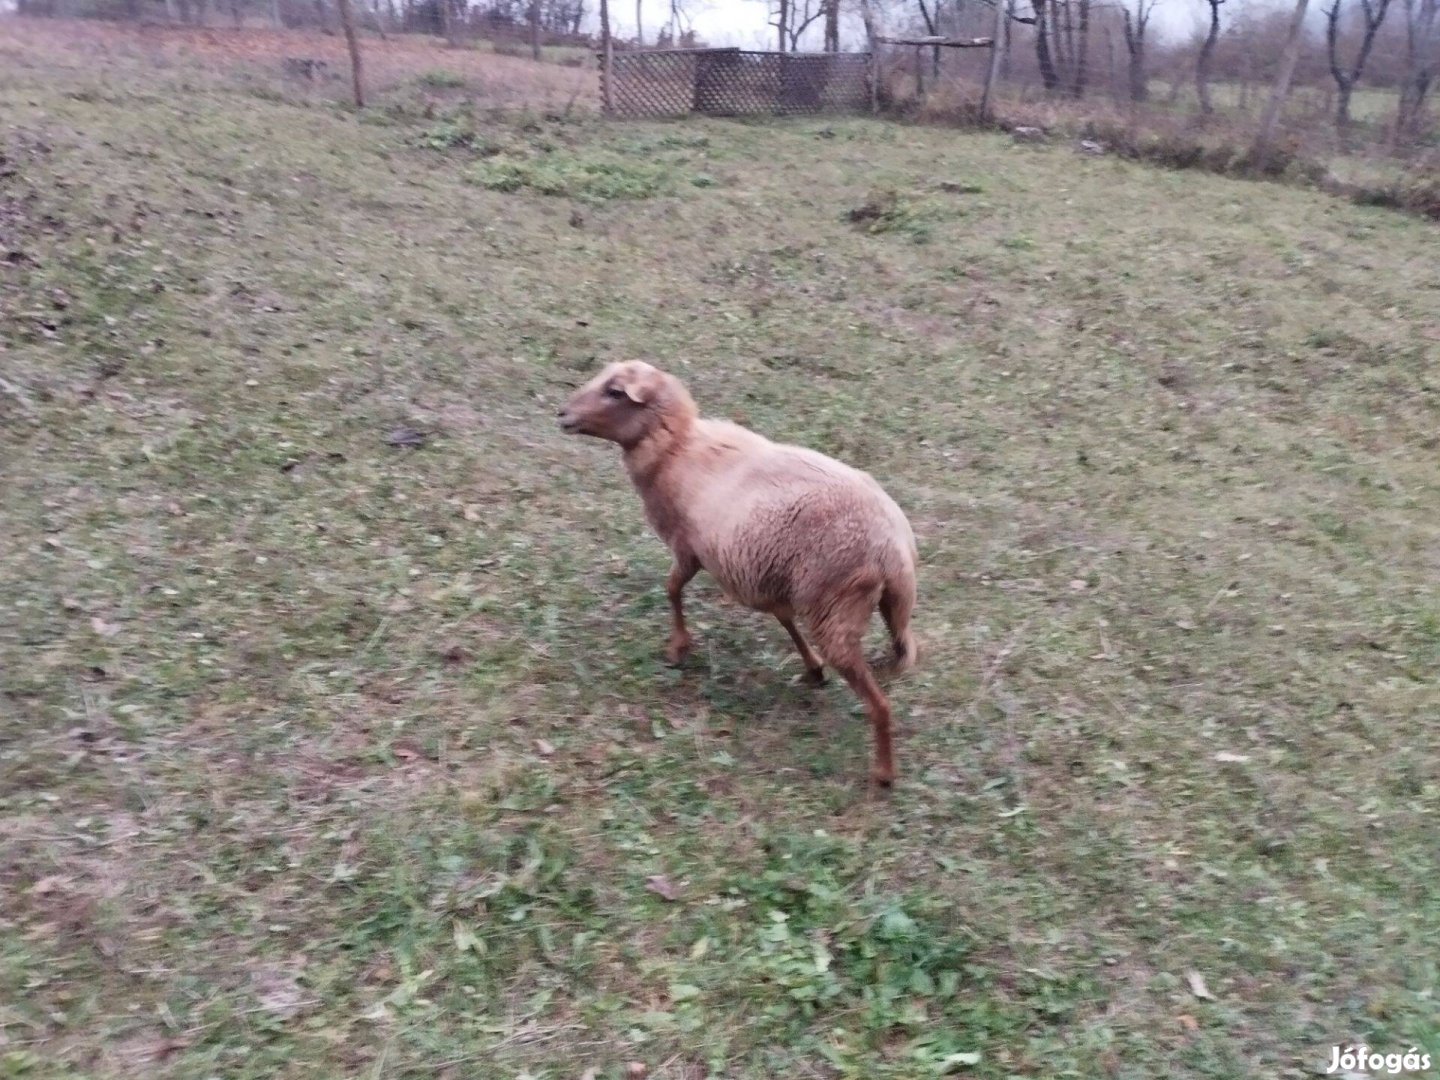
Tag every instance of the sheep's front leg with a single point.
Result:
(685, 568)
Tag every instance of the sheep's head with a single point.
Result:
(624, 403)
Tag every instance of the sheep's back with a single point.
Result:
(784, 525)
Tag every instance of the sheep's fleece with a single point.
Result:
(783, 529)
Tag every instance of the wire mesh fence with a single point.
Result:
(734, 82)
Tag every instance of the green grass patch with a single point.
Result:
(578, 177)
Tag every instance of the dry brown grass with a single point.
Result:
(259, 55)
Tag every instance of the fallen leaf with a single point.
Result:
(662, 886)
(1079, 585)
(636, 1068)
(404, 753)
(590, 1074)
(466, 940)
(950, 1062)
(473, 513)
(1226, 755)
(1188, 1022)
(1197, 985)
(103, 628)
(543, 748)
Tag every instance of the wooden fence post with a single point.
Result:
(997, 56)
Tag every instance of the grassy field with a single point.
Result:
(326, 757)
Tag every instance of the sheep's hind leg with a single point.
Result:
(840, 642)
(814, 668)
(685, 568)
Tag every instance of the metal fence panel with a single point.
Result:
(736, 82)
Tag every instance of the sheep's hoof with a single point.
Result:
(814, 676)
(882, 778)
(676, 651)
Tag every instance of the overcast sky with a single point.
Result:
(745, 22)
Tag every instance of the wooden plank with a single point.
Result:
(940, 42)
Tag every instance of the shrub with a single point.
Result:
(440, 79)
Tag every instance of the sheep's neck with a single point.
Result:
(649, 463)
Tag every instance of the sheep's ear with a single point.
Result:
(641, 385)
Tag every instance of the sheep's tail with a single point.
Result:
(897, 601)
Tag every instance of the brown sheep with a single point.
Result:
(783, 529)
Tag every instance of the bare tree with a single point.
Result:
(535, 29)
(1082, 52)
(1207, 52)
(1043, 57)
(1422, 42)
(1135, 27)
(1005, 51)
(607, 71)
(932, 28)
(872, 46)
(832, 25)
(794, 17)
(1345, 79)
(639, 26)
(347, 23)
(1269, 121)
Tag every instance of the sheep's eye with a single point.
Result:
(614, 392)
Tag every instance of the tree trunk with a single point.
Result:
(1420, 46)
(639, 27)
(347, 24)
(534, 29)
(1065, 42)
(874, 49)
(1202, 62)
(832, 26)
(1270, 120)
(1082, 51)
(1139, 84)
(931, 29)
(1135, 45)
(1042, 47)
(998, 43)
(607, 60)
(784, 16)
(1005, 54)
